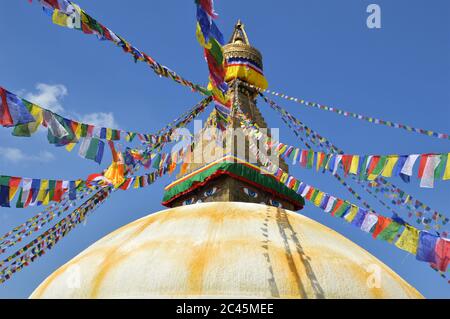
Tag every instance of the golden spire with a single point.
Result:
(239, 46)
(239, 35)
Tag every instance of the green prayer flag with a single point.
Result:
(342, 209)
(92, 149)
(362, 174)
(314, 195)
(84, 130)
(51, 188)
(440, 168)
(19, 203)
(380, 165)
(216, 51)
(389, 233)
(310, 159)
(4, 180)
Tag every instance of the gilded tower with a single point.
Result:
(244, 66)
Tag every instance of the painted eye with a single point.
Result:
(275, 203)
(250, 192)
(211, 191)
(189, 201)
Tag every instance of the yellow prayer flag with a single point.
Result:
(70, 146)
(109, 134)
(284, 177)
(354, 165)
(447, 169)
(351, 215)
(390, 164)
(60, 18)
(409, 240)
(320, 156)
(38, 115)
(78, 131)
(43, 190)
(136, 183)
(201, 38)
(318, 199)
(46, 199)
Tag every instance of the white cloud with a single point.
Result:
(15, 155)
(100, 119)
(48, 96)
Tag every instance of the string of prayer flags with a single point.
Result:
(65, 132)
(37, 222)
(47, 240)
(416, 207)
(68, 14)
(35, 192)
(211, 39)
(381, 185)
(375, 165)
(403, 235)
(369, 119)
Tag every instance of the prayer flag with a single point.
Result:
(369, 221)
(14, 183)
(330, 204)
(442, 254)
(382, 223)
(447, 169)
(389, 167)
(5, 115)
(427, 179)
(351, 214)
(4, 191)
(426, 250)
(409, 239)
(390, 232)
(378, 168)
(359, 218)
(30, 128)
(354, 165)
(346, 162)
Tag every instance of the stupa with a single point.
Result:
(231, 231)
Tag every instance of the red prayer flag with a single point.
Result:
(57, 195)
(346, 162)
(5, 115)
(423, 162)
(309, 193)
(373, 164)
(304, 158)
(207, 5)
(442, 254)
(337, 206)
(382, 223)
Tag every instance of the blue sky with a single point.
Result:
(319, 50)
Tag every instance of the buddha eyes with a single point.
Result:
(275, 203)
(250, 192)
(211, 191)
(189, 201)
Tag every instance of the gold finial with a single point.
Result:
(239, 46)
(239, 35)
